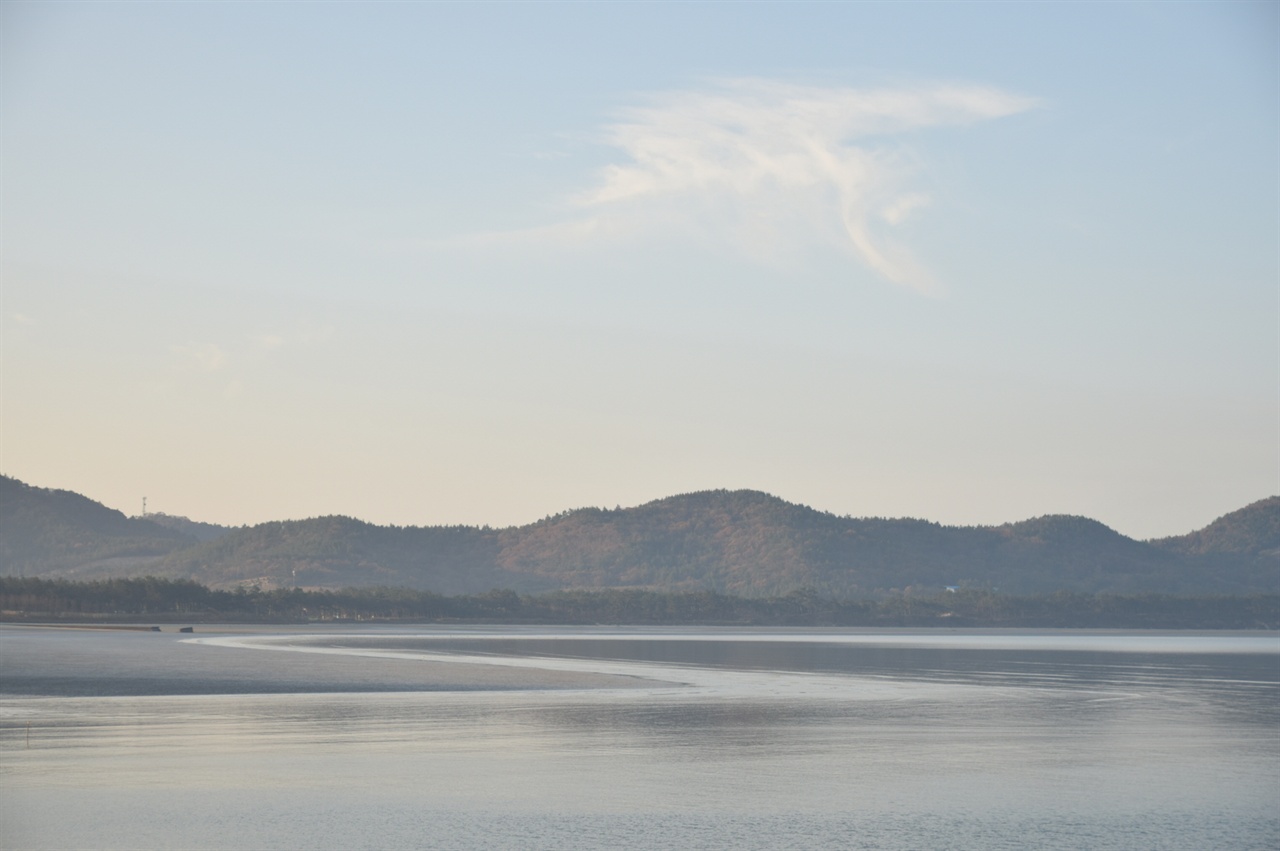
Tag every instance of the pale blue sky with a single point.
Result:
(478, 263)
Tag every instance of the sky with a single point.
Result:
(434, 263)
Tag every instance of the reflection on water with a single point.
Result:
(695, 741)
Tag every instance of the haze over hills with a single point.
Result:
(745, 543)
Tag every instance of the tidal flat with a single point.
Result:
(542, 737)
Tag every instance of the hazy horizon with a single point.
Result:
(437, 264)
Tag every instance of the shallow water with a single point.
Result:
(610, 738)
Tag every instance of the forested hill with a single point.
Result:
(191, 528)
(1251, 532)
(734, 542)
(55, 532)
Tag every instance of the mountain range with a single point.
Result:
(740, 542)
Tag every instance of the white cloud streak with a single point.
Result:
(818, 152)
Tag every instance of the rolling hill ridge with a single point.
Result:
(741, 542)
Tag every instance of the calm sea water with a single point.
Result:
(479, 738)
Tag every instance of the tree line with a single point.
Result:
(173, 600)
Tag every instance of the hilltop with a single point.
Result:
(1251, 532)
(45, 532)
(742, 542)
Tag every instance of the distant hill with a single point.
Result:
(47, 532)
(744, 543)
(199, 531)
(753, 544)
(339, 552)
(1252, 532)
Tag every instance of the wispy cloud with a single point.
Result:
(301, 333)
(231, 363)
(769, 167)
(205, 357)
(826, 157)
(270, 341)
(898, 211)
